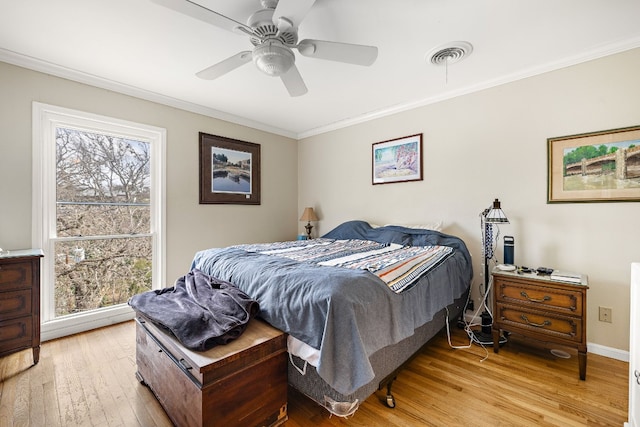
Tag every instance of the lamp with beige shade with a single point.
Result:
(308, 215)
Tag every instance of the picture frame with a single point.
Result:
(397, 160)
(229, 170)
(599, 166)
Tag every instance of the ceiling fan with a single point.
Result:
(273, 31)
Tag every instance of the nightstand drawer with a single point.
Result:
(15, 275)
(15, 304)
(541, 297)
(551, 324)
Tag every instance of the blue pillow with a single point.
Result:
(362, 230)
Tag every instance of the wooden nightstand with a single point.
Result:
(20, 302)
(537, 307)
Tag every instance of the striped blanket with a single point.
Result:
(398, 266)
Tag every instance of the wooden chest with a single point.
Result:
(243, 383)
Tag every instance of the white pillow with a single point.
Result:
(435, 225)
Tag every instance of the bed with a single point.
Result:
(356, 303)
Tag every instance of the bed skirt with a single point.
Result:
(385, 362)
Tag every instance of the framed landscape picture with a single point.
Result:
(229, 171)
(595, 167)
(397, 160)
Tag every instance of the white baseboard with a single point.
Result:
(598, 349)
(610, 352)
(74, 324)
(468, 316)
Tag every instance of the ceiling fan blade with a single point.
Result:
(202, 13)
(342, 52)
(292, 10)
(293, 82)
(225, 66)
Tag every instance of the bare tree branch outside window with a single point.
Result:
(104, 248)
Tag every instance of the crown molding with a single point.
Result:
(35, 64)
(93, 80)
(600, 52)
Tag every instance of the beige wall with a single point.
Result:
(190, 226)
(493, 144)
(496, 140)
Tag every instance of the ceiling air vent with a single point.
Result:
(449, 53)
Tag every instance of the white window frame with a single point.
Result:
(46, 118)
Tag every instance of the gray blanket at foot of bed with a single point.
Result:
(201, 311)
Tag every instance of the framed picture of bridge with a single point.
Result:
(595, 167)
(229, 171)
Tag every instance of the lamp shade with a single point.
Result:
(308, 215)
(495, 215)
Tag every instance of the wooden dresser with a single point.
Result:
(242, 383)
(20, 301)
(538, 307)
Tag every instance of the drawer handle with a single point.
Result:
(637, 374)
(537, 325)
(544, 299)
(185, 365)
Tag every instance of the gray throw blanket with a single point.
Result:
(200, 310)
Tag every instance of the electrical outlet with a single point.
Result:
(604, 314)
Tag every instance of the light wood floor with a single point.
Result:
(89, 380)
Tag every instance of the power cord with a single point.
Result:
(469, 331)
(488, 252)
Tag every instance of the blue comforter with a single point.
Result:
(345, 314)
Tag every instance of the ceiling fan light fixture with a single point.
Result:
(273, 58)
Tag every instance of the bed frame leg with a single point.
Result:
(140, 379)
(391, 401)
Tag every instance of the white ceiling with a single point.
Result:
(141, 48)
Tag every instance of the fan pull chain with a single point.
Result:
(446, 70)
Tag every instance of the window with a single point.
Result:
(98, 215)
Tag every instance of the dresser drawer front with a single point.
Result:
(545, 323)
(15, 304)
(15, 275)
(540, 297)
(16, 333)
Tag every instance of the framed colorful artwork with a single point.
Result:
(397, 160)
(594, 167)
